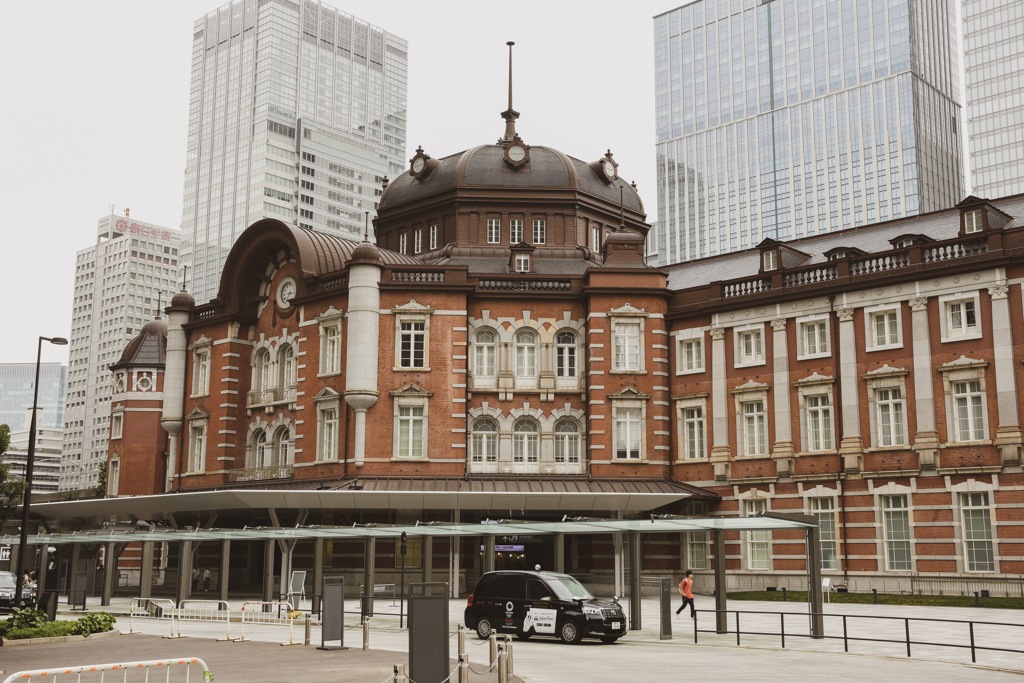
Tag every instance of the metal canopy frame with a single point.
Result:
(144, 532)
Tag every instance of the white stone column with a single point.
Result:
(783, 449)
(720, 451)
(852, 446)
(363, 340)
(1008, 433)
(926, 441)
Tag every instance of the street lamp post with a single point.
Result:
(23, 543)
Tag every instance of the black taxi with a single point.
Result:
(530, 603)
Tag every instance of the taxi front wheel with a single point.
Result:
(484, 628)
(571, 632)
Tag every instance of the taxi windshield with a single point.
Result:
(568, 588)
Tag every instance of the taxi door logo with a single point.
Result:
(539, 620)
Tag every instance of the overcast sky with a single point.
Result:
(96, 96)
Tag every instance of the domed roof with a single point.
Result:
(183, 300)
(484, 167)
(148, 349)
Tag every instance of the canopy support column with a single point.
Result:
(146, 571)
(721, 618)
(225, 568)
(635, 596)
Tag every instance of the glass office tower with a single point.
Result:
(788, 118)
(17, 389)
(297, 111)
(993, 40)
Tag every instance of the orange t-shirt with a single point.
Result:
(686, 587)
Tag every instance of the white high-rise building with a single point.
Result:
(992, 40)
(46, 459)
(121, 283)
(298, 112)
(787, 119)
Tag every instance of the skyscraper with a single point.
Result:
(789, 118)
(992, 39)
(298, 112)
(16, 392)
(120, 284)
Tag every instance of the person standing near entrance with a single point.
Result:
(206, 579)
(686, 590)
(195, 579)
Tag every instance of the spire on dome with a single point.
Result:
(510, 115)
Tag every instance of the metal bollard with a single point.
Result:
(502, 667)
(508, 654)
(493, 643)
(366, 635)
(874, 594)
(783, 594)
(308, 628)
(463, 669)
(399, 675)
(461, 640)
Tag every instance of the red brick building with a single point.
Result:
(504, 351)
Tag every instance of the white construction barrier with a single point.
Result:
(273, 613)
(151, 608)
(205, 610)
(123, 669)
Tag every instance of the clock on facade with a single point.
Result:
(286, 292)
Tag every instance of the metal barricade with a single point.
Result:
(123, 669)
(273, 613)
(151, 608)
(205, 610)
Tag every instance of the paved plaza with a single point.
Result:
(277, 653)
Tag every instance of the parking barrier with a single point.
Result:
(205, 610)
(151, 608)
(120, 667)
(273, 613)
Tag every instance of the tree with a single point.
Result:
(101, 481)
(11, 490)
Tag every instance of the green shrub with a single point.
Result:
(33, 623)
(98, 622)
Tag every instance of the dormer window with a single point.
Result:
(904, 243)
(973, 222)
(522, 263)
(837, 255)
(769, 260)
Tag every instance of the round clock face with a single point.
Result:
(286, 292)
(417, 164)
(609, 168)
(516, 153)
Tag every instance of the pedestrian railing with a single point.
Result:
(910, 632)
(272, 613)
(123, 671)
(151, 608)
(205, 610)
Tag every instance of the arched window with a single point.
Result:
(484, 440)
(286, 366)
(567, 441)
(566, 366)
(282, 446)
(526, 358)
(485, 354)
(525, 444)
(261, 377)
(260, 450)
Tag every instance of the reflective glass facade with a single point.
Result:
(298, 112)
(993, 39)
(790, 118)
(16, 392)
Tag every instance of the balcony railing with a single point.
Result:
(269, 396)
(260, 473)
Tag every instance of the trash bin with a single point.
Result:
(48, 604)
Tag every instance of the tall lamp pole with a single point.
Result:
(401, 592)
(23, 543)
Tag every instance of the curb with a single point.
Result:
(27, 642)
